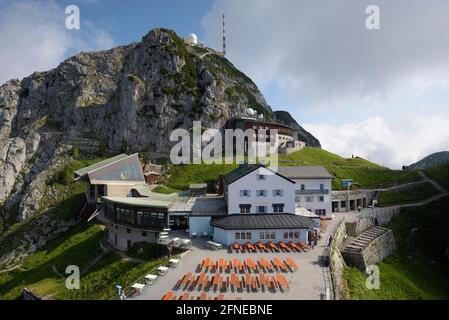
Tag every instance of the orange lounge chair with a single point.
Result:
(184, 296)
(273, 247)
(292, 263)
(168, 296)
(279, 264)
(295, 247)
(202, 296)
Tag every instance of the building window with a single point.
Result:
(290, 234)
(237, 236)
(298, 199)
(273, 236)
(248, 235)
(278, 208)
(343, 204)
(128, 230)
(242, 236)
(297, 235)
(321, 199)
(320, 212)
(261, 193)
(261, 177)
(144, 234)
(245, 208)
(321, 186)
(309, 199)
(262, 236)
(262, 209)
(245, 193)
(303, 187)
(285, 235)
(278, 193)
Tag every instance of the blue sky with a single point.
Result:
(128, 21)
(382, 94)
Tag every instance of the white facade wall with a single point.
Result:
(227, 237)
(312, 187)
(252, 183)
(200, 225)
(118, 236)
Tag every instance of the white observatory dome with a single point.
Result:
(250, 112)
(192, 39)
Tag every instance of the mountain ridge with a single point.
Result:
(432, 160)
(125, 99)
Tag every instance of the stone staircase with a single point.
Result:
(369, 248)
(364, 239)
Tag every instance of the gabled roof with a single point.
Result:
(119, 168)
(245, 169)
(263, 221)
(305, 172)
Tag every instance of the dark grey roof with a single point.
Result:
(263, 221)
(245, 169)
(305, 172)
(241, 171)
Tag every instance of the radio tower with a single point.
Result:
(224, 36)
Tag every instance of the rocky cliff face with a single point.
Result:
(303, 135)
(128, 98)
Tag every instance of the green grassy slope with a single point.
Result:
(416, 193)
(366, 174)
(420, 267)
(79, 247)
(439, 174)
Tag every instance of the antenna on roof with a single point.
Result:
(224, 35)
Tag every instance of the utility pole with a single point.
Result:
(224, 35)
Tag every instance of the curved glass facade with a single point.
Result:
(135, 216)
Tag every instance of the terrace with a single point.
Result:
(253, 271)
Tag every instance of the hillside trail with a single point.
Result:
(434, 183)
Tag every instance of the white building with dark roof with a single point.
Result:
(257, 189)
(265, 206)
(313, 188)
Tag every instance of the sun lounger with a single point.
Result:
(168, 296)
(292, 264)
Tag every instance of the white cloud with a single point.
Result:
(392, 144)
(322, 52)
(33, 37)
(327, 67)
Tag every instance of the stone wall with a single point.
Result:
(364, 222)
(375, 252)
(337, 263)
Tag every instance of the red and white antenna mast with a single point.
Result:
(224, 36)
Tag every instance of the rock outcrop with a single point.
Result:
(303, 135)
(128, 98)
